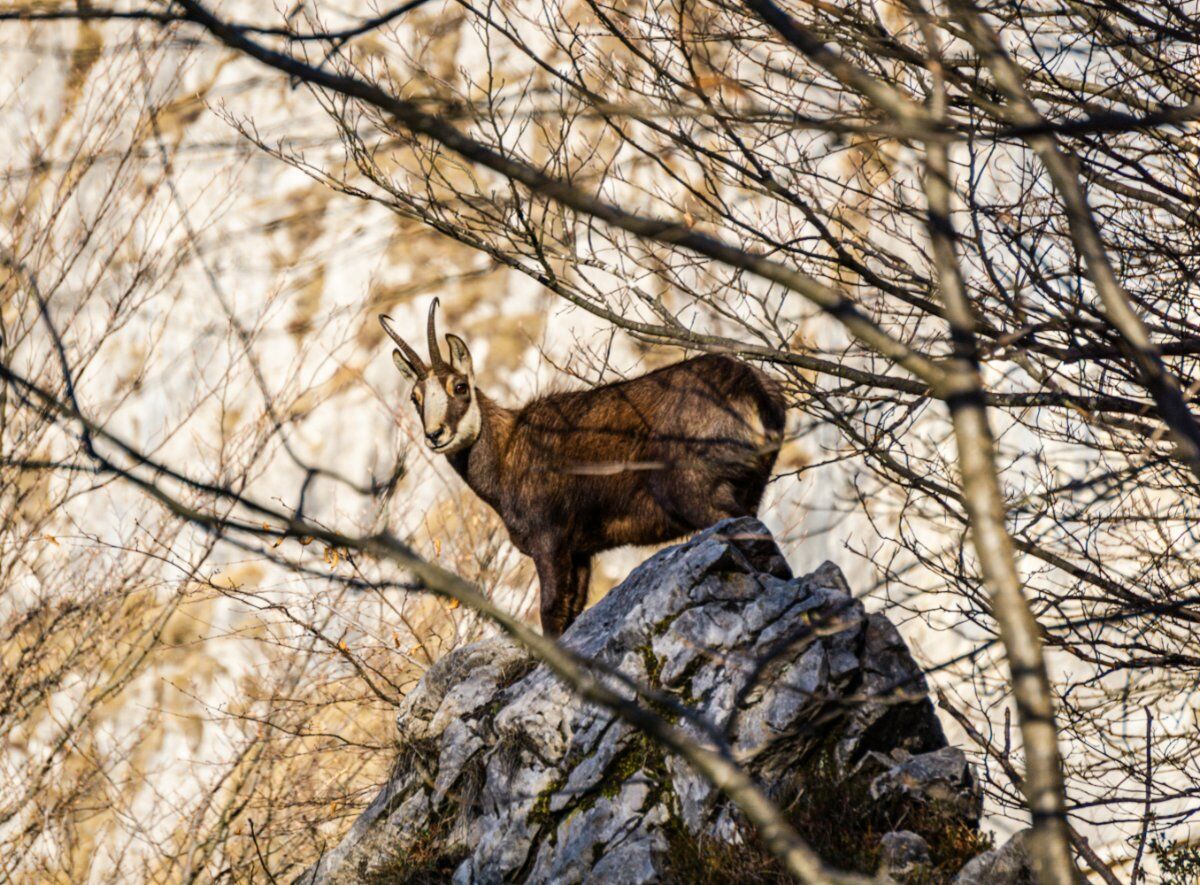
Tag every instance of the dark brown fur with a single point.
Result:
(637, 462)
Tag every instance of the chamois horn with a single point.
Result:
(409, 354)
(435, 353)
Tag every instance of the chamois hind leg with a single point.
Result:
(686, 500)
(749, 494)
(556, 576)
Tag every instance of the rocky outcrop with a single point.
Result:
(1009, 864)
(504, 775)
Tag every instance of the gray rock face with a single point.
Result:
(943, 776)
(505, 775)
(902, 851)
(1007, 865)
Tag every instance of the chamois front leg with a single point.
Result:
(556, 577)
(581, 579)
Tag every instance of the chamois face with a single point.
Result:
(448, 409)
(443, 393)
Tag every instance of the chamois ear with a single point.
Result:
(406, 368)
(460, 357)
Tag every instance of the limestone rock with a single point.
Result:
(505, 775)
(902, 851)
(941, 776)
(1009, 864)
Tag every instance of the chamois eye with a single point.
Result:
(461, 389)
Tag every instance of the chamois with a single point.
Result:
(641, 461)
